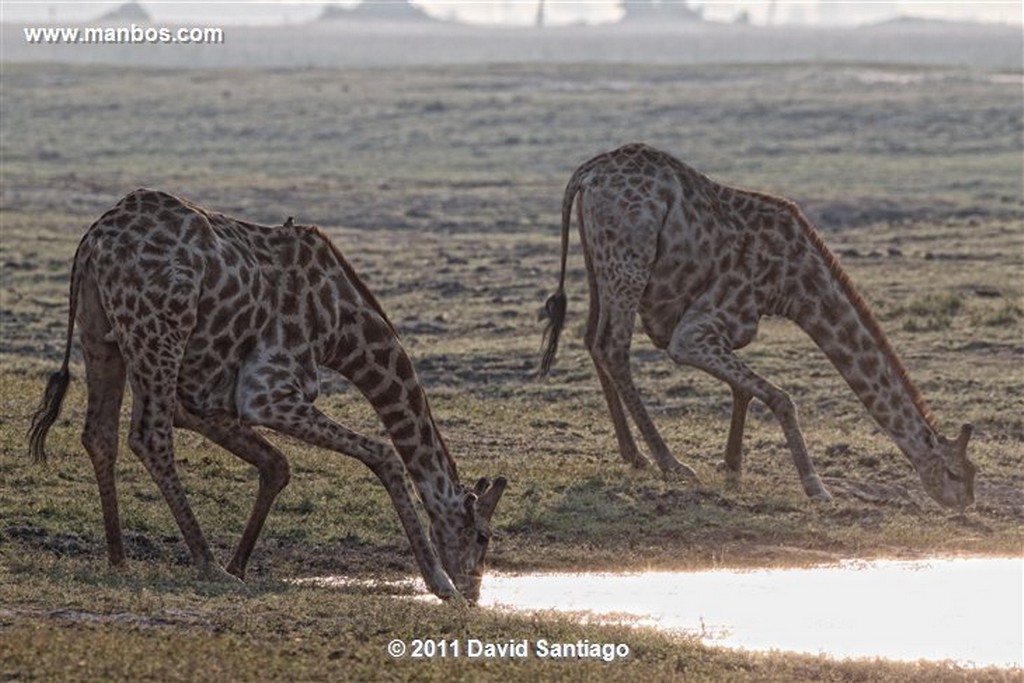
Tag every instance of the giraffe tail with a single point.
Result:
(57, 386)
(555, 307)
(554, 310)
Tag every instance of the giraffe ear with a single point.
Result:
(964, 437)
(961, 441)
(481, 486)
(489, 499)
(469, 503)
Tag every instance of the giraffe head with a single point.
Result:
(462, 537)
(949, 477)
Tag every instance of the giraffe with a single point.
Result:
(701, 263)
(219, 326)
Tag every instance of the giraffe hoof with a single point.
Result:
(441, 586)
(456, 600)
(682, 472)
(237, 572)
(215, 573)
(815, 489)
(451, 597)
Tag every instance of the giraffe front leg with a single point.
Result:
(391, 472)
(785, 411)
(247, 444)
(304, 421)
(734, 444)
(698, 341)
(151, 439)
(153, 364)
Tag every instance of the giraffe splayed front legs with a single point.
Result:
(700, 263)
(219, 325)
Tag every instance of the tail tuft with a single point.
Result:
(46, 415)
(555, 313)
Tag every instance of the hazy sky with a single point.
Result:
(523, 11)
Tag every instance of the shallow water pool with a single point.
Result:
(968, 610)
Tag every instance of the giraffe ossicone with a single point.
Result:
(220, 325)
(701, 263)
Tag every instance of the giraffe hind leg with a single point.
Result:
(105, 382)
(247, 444)
(609, 347)
(698, 341)
(627, 445)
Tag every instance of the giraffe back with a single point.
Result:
(230, 289)
(746, 253)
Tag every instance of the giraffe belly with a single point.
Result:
(659, 320)
(207, 389)
(672, 289)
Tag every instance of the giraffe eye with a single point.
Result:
(955, 476)
(482, 537)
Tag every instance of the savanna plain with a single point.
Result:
(443, 188)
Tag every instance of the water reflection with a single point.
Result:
(968, 610)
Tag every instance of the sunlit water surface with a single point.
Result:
(968, 610)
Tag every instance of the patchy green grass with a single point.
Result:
(1006, 315)
(917, 189)
(931, 312)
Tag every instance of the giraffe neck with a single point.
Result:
(420, 445)
(364, 347)
(386, 378)
(840, 323)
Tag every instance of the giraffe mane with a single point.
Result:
(352, 276)
(867, 317)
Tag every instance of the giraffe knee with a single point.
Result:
(136, 441)
(590, 337)
(612, 359)
(386, 464)
(597, 355)
(275, 474)
(99, 446)
(690, 339)
(147, 442)
(782, 405)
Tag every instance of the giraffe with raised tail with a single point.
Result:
(219, 326)
(700, 263)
